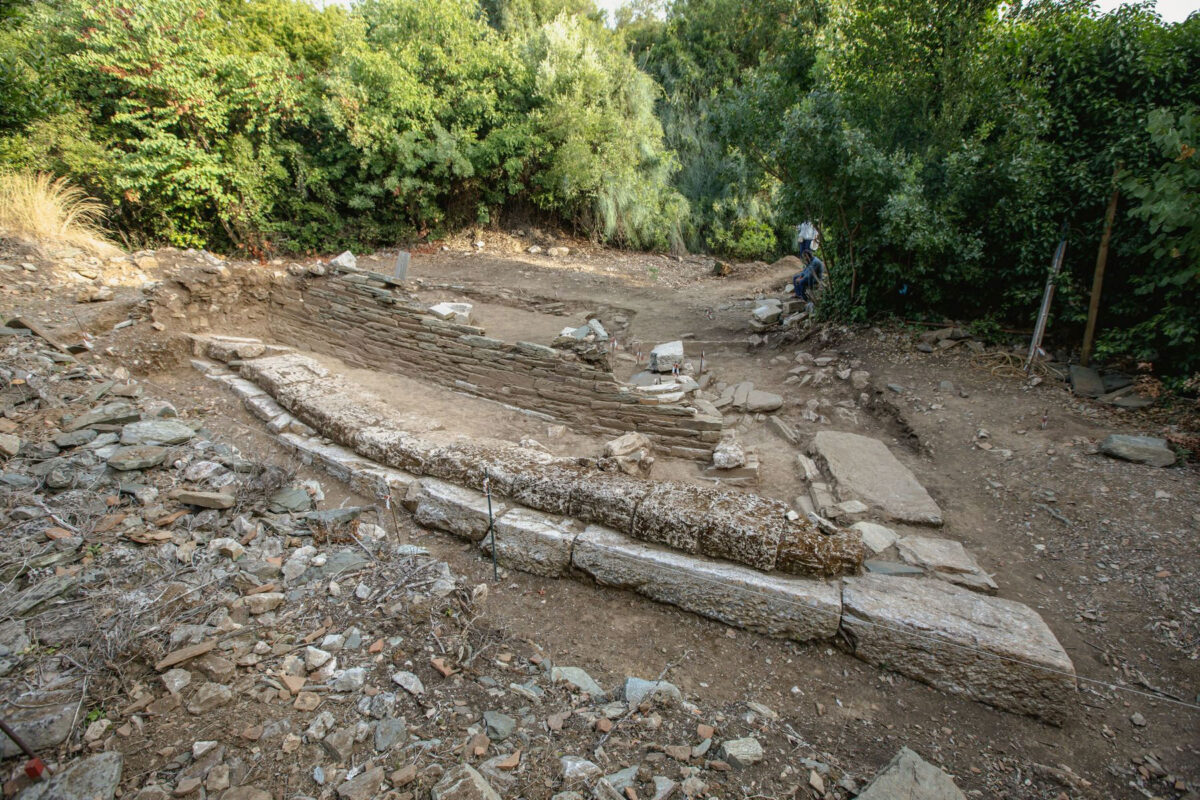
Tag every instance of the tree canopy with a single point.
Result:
(939, 145)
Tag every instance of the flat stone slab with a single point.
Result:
(156, 432)
(911, 777)
(531, 542)
(989, 649)
(141, 457)
(1139, 449)
(791, 608)
(877, 538)
(1085, 381)
(946, 559)
(94, 778)
(865, 468)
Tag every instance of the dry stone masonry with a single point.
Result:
(735, 558)
(367, 319)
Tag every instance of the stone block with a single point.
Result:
(744, 528)
(673, 514)
(665, 357)
(784, 607)
(450, 508)
(989, 649)
(531, 542)
(608, 500)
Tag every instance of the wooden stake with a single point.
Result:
(1098, 279)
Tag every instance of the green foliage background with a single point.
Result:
(940, 145)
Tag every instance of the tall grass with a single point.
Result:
(39, 208)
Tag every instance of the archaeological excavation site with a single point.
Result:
(493, 522)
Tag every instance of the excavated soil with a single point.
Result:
(1104, 550)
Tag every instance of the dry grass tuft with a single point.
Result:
(39, 208)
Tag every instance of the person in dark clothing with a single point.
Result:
(814, 272)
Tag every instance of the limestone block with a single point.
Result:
(446, 507)
(996, 651)
(665, 356)
(785, 607)
(744, 528)
(607, 500)
(546, 488)
(531, 542)
(275, 372)
(672, 514)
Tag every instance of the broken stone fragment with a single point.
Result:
(1139, 449)
(345, 260)
(158, 431)
(141, 457)
(729, 454)
(263, 602)
(946, 559)
(463, 783)
(909, 775)
(876, 537)
(742, 752)
(453, 312)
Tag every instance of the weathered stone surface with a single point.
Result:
(94, 778)
(1140, 449)
(156, 431)
(664, 357)
(911, 777)
(791, 608)
(742, 752)
(607, 500)
(10, 445)
(276, 372)
(806, 550)
(875, 537)
(446, 507)
(217, 500)
(463, 783)
(864, 467)
(992, 650)
(743, 528)
(672, 514)
(531, 542)
(109, 414)
(946, 559)
(42, 728)
(141, 457)
(1086, 381)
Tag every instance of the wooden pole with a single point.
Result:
(1089, 333)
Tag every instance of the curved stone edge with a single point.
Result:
(743, 528)
(988, 649)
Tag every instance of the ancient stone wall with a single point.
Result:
(367, 320)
